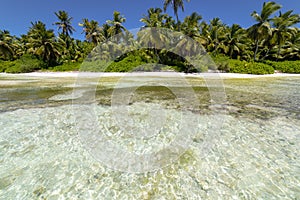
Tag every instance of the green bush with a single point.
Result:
(286, 66)
(200, 63)
(27, 63)
(226, 64)
(5, 65)
(243, 67)
(69, 66)
(94, 66)
(130, 63)
(170, 68)
(221, 62)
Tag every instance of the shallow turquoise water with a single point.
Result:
(254, 154)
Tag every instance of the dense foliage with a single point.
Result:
(272, 43)
(286, 66)
(243, 67)
(26, 63)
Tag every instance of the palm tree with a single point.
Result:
(169, 22)
(236, 40)
(292, 47)
(216, 37)
(191, 26)
(116, 27)
(191, 29)
(42, 43)
(105, 31)
(93, 33)
(204, 33)
(6, 45)
(64, 23)
(283, 30)
(154, 18)
(175, 4)
(262, 29)
(153, 38)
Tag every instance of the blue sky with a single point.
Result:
(16, 15)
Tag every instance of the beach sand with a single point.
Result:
(159, 74)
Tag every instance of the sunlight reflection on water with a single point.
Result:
(255, 156)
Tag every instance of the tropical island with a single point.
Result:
(271, 44)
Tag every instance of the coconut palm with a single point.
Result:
(19, 47)
(154, 18)
(93, 33)
(105, 31)
(216, 37)
(291, 50)
(64, 23)
(116, 27)
(204, 33)
(153, 35)
(236, 41)
(42, 42)
(262, 29)
(153, 38)
(175, 4)
(6, 45)
(191, 26)
(283, 28)
(169, 22)
(191, 29)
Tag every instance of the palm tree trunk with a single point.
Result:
(177, 18)
(278, 52)
(256, 49)
(266, 54)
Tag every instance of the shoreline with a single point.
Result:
(159, 74)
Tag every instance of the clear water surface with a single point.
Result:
(254, 155)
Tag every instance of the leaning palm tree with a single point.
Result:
(175, 4)
(283, 28)
(42, 42)
(64, 23)
(262, 29)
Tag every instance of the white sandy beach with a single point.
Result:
(159, 74)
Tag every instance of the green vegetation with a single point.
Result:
(68, 66)
(272, 43)
(225, 64)
(244, 67)
(286, 66)
(26, 63)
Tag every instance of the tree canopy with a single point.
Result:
(273, 36)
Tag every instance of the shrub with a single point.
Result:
(68, 66)
(127, 64)
(221, 62)
(93, 66)
(170, 68)
(286, 66)
(27, 63)
(5, 65)
(243, 67)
